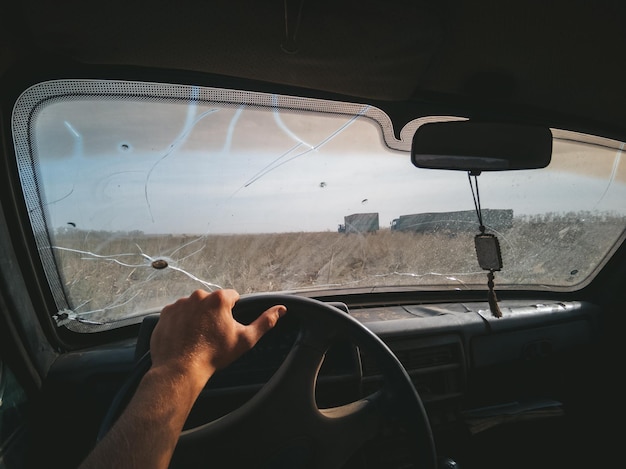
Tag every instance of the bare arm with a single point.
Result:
(194, 337)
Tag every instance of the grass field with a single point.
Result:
(112, 275)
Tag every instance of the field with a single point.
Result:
(112, 275)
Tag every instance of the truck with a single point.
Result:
(359, 223)
(464, 220)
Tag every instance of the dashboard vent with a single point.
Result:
(436, 367)
(415, 356)
(415, 359)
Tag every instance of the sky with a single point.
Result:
(173, 167)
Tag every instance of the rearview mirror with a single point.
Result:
(481, 146)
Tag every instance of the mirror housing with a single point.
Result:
(481, 146)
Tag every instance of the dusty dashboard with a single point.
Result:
(443, 347)
(467, 366)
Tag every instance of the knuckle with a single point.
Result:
(272, 319)
(219, 295)
(198, 294)
(223, 297)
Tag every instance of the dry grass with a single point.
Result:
(112, 276)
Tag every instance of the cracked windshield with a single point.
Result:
(140, 193)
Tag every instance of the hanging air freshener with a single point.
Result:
(487, 250)
(489, 258)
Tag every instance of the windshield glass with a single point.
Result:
(139, 193)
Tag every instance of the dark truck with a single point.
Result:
(493, 219)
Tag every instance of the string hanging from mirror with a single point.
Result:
(290, 46)
(487, 247)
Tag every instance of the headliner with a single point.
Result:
(554, 62)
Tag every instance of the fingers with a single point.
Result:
(225, 298)
(203, 322)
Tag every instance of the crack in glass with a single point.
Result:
(145, 269)
(147, 199)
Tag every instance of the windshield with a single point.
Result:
(139, 193)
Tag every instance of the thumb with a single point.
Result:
(266, 321)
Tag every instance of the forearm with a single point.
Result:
(194, 337)
(145, 435)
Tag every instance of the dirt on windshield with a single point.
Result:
(108, 276)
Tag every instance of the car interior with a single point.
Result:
(434, 190)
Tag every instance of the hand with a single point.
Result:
(198, 335)
(193, 338)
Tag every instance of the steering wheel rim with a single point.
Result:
(281, 425)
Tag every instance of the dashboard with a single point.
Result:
(472, 371)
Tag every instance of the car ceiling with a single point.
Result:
(557, 60)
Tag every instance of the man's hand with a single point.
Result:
(198, 334)
(193, 338)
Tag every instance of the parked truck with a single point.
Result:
(359, 223)
(493, 219)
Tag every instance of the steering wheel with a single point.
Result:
(281, 425)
